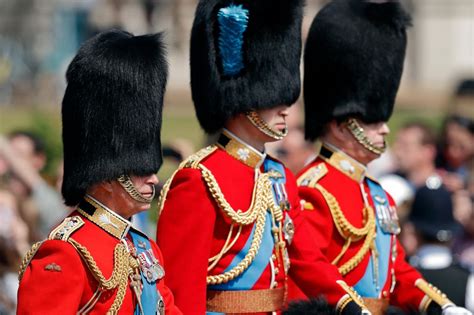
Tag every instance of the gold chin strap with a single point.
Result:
(358, 132)
(127, 184)
(261, 125)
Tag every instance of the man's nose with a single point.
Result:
(384, 129)
(153, 180)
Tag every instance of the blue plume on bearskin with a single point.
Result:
(233, 21)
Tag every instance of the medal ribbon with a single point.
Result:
(373, 281)
(150, 295)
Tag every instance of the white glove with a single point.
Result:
(455, 310)
(367, 312)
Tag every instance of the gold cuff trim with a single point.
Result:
(353, 295)
(433, 293)
(106, 219)
(251, 301)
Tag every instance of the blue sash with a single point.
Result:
(150, 295)
(368, 286)
(251, 275)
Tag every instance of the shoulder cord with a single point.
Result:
(349, 232)
(124, 263)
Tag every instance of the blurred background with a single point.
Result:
(431, 140)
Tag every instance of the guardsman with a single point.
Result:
(353, 65)
(228, 219)
(95, 261)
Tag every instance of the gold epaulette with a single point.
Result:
(311, 177)
(64, 230)
(191, 162)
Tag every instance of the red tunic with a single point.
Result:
(192, 228)
(347, 191)
(58, 281)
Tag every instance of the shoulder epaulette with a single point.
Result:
(192, 161)
(64, 230)
(311, 177)
(27, 259)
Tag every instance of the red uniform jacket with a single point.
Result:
(192, 228)
(342, 179)
(57, 280)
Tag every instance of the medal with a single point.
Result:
(288, 229)
(386, 215)
(150, 266)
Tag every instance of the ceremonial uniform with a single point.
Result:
(355, 224)
(228, 224)
(353, 65)
(229, 209)
(92, 263)
(95, 261)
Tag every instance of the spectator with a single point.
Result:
(456, 151)
(432, 216)
(41, 205)
(415, 151)
(13, 244)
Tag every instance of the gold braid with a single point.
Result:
(190, 162)
(26, 260)
(119, 277)
(258, 204)
(262, 200)
(349, 232)
(249, 257)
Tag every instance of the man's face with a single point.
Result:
(408, 150)
(375, 133)
(459, 145)
(24, 148)
(275, 119)
(125, 205)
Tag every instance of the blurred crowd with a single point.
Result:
(428, 172)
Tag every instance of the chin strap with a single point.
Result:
(358, 132)
(261, 125)
(127, 184)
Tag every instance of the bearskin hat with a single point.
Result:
(353, 62)
(245, 55)
(111, 111)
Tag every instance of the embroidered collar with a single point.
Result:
(103, 217)
(342, 162)
(240, 150)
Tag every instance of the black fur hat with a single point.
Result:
(353, 62)
(270, 52)
(112, 110)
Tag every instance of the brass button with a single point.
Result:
(385, 293)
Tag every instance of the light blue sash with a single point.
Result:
(368, 286)
(150, 295)
(250, 276)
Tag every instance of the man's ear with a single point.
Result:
(338, 130)
(104, 186)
